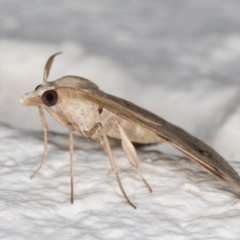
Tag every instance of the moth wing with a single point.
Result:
(193, 148)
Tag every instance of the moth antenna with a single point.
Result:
(47, 67)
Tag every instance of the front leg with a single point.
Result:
(45, 128)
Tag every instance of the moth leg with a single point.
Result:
(98, 131)
(114, 168)
(45, 128)
(71, 148)
(55, 116)
(90, 133)
(71, 151)
(131, 154)
(95, 133)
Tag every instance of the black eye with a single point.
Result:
(37, 87)
(50, 98)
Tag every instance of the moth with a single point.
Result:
(79, 105)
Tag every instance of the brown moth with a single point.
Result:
(80, 105)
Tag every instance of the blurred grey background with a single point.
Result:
(179, 59)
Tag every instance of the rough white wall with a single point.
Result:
(186, 202)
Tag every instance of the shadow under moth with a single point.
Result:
(79, 105)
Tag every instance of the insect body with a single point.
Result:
(80, 105)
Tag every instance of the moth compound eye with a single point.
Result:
(37, 87)
(50, 98)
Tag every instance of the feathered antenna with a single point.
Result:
(47, 67)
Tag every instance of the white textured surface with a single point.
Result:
(186, 203)
(179, 60)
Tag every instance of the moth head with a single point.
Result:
(43, 94)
